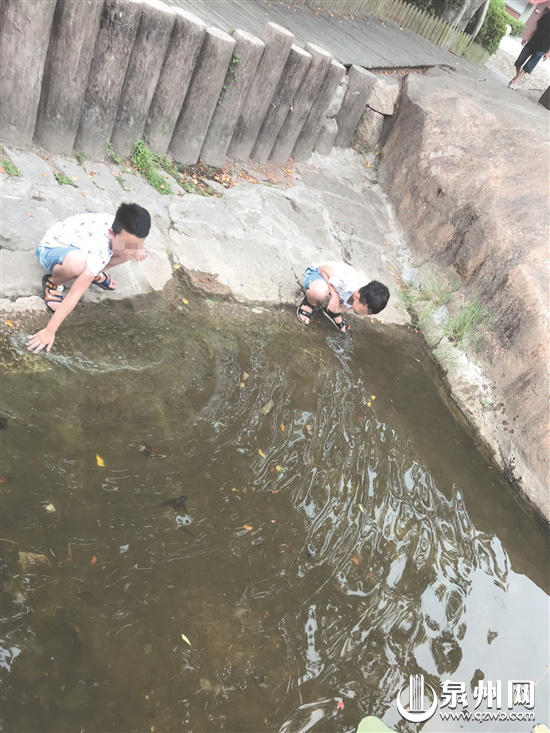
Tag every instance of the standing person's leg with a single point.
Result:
(524, 65)
(316, 288)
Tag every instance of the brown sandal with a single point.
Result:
(51, 292)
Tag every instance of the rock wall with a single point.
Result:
(467, 170)
(81, 75)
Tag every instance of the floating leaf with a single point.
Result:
(369, 404)
(242, 385)
(245, 376)
(49, 508)
(184, 300)
(267, 407)
(260, 451)
(362, 508)
(275, 491)
(279, 468)
(340, 705)
(355, 561)
(308, 427)
(9, 323)
(283, 428)
(373, 396)
(186, 640)
(248, 527)
(93, 560)
(99, 459)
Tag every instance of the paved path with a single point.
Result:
(366, 41)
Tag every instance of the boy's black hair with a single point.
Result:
(375, 295)
(134, 219)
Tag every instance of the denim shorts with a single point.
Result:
(51, 256)
(311, 274)
(524, 55)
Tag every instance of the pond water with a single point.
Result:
(341, 528)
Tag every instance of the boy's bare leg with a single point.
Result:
(316, 293)
(71, 267)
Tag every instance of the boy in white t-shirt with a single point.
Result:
(83, 247)
(346, 288)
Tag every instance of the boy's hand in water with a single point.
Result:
(42, 339)
(142, 254)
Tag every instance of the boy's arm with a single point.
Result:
(45, 338)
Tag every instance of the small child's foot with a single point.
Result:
(104, 282)
(336, 319)
(51, 293)
(305, 311)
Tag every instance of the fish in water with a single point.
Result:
(177, 504)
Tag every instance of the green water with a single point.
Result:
(367, 543)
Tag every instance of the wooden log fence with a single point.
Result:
(407, 16)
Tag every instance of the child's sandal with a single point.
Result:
(302, 312)
(51, 292)
(103, 281)
(332, 318)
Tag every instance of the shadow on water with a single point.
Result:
(322, 548)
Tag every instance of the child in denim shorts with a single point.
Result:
(83, 247)
(346, 288)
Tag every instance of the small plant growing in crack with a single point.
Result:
(112, 155)
(63, 180)
(7, 166)
(80, 158)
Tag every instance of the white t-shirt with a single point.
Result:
(88, 233)
(345, 279)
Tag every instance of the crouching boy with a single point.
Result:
(83, 247)
(346, 289)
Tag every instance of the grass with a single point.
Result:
(232, 71)
(112, 155)
(63, 180)
(80, 158)
(438, 291)
(7, 166)
(457, 327)
(147, 164)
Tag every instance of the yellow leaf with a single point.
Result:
(373, 396)
(186, 640)
(184, 300)
(279, 468)
(100, 461)
(362, 508)
(248, 527)
(372, 320)
(11, 324)
(49, 508)
(283, 428)
(176, 267)
(260, 451)
(74, 178)
(369, 404)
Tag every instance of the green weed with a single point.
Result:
(80, 158)
(232, 72)
(8, 166)
(147, 164)
(437, 290)
(457, 327)
(112, 155)
(63, 180)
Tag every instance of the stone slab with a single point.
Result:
(248, 50)
(173, 82)
(278, 42)
(384, 95)
(360, 84)
(202, 96)
(74, 30)
(327, 135)
(367, 132)
(22, 65)
(150, 45)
